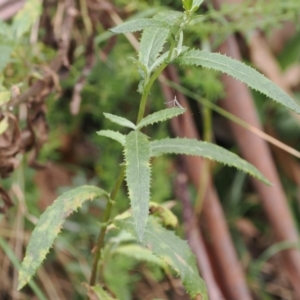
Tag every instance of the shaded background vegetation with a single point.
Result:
(68, 69)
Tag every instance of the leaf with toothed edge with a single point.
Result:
(170, 17)
(114, 135)
(206, 150)
(160, 116)
(151, 45)
(50, 225)
(119, 120)
(138, 25)
(138, 175)
(240, 71)
(174, 251)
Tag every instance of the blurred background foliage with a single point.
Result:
(75, 155)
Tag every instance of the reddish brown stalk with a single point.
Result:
(195, 238)
(256, 151)
(223, 251)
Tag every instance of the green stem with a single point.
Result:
(100, 241)
(147, 91)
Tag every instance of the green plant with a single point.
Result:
(138, 151)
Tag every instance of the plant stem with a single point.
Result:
(100, 241)
(147, 91)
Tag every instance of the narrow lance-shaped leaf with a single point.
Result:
(174, 251)
(239, 71)
(138, 25)
(170, 17)
(138, 173)
(120, 120)
(114, 135)
(139, 253)
(160, 116)
(49, 226)
(196, 4)
(151, 45)
(206, 150)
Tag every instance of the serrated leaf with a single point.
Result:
(120, 120)
(160, 116)
(170, 17)
(239, 71)
(174, 251)
(3, 125)
(115, 135)
(138, 25)
(49, 226)
(151, 45)
(206, 150)
(4, 96)
(138, 173)
(139, 253)
(26, 17)
(5, 52)
(165, 55)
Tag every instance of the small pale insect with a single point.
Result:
(173, 103)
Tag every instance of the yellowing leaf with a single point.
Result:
(49, 226)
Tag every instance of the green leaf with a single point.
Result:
(165, 56)
(239, 71)
(26, 17)
(174, 251)
(5, 52)
(196, 4)
(170, 17)
(139, 253)
(50, 225)
(187, 4)
(151, 45)
(119, 120)
(3, 125)
(138, 25)
(207, 150)
(138, 174)
(160, 116)
(115, 135)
